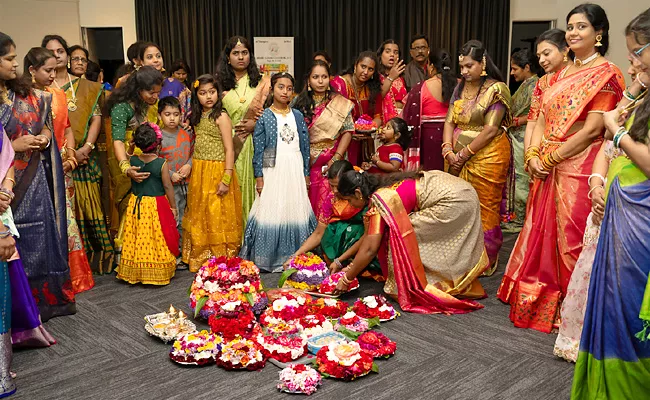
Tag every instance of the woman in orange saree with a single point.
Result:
(425, 227)
(567, 138)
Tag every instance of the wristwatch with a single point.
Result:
(92, 145)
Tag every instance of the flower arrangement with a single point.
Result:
(344, 361)
(299, 378)
(331, 308)
(305, 272)
(365, 123)
(198, 348)
(377, 344)
(283, 328)
(285, 308)
(374, 306)
(241, 353)
(283, 348)
(221, 280)
(234, 319)
(329, 284)
(352, 322)
(315, 324)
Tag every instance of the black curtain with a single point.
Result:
(196, 30)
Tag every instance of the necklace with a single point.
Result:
(72, 103)
(356, 94)
(278, 111)
(466, 94)
(579, 63)
(318, 98)
(242, 98)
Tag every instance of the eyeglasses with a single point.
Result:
(637, 53)
(420, 48)
(79, 60)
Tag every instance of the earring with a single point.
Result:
(484, 64)
(566, 58)
(599, 37)
(308, 87)
(68, 63)
(33, 79)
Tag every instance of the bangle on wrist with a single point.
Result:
(643, 85)
(5, 234)
(389, 78)
(596, 175)
(594, 188)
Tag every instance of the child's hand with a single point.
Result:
(222, 189)
(176, 177)
(366, 166)
(185, 170)
(374, 158)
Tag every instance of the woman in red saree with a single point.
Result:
(393, 87)
(360, 84)
(329, 118)
(428, 226)
(566, 140)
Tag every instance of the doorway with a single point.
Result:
(105, 47)
(524, 36)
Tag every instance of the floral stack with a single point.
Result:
(329, 284)
(222, 280)
(306, 272)
(374, 306)
(234, 319)
(196, 348)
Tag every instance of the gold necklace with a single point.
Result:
(466, 91)
(242, 98)
(318, 98)
(281, 112)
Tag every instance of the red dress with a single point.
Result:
(388, 153)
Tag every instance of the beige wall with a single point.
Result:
(110, 14)
(619, 13)
(27, 21)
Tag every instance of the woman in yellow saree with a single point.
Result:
(245, 91)
(476, 146)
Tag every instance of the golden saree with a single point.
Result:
(245, 102)
(435, 251)
(487, 170)
(551, 240)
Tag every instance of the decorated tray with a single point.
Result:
(168, 326)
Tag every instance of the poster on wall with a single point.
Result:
(274, 54)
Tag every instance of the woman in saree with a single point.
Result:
(38, 201)
(340, 226)
(82, 102)
(129, 106)
(360, 84)
(476, 146)
(614, 357)
(245, 91)
(567, 138)
(523, 68)
(425, 227)
(39, 66)
(393, 88)
(329, 118)
(426, 108)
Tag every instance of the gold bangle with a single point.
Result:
(470, 149)
(124, 166)
(11, 180)
(226, 179)
(447, 153)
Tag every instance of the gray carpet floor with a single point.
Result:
(103, 352)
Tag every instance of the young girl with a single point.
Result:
(281, 218)
(150, 236)
(395, 136)
(213, 221)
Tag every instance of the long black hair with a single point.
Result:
(226, 74)
(305, 101)
(36, 57)
(144, 78)
(382, 69)
(197, 108)
(598, 19)
(16, 85)
(639, 28)
(557, 37)
(181, 64)
(274, 80)
(374, 85)
(92, 71)
(477, 51)
(350, 181)
(525, 57)
(441, 59)
(399, 125)
(338, 168)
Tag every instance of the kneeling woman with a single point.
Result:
(432, 224)
(281, 218)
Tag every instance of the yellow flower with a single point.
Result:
(196, 84)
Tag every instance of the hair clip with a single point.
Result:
(239, 43)
(196, 84)
(446, 68)
(461, 58)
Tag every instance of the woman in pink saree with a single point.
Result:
(329, 119)
(564, 145)
(425, 227)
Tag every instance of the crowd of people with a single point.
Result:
(159, 172)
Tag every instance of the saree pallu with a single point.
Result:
(487, 172)
(396, 93)
(212, 224)
(521, 101)
(254, 99)
(39, 207)
(613, 363)
(88, 178)
(435, 254)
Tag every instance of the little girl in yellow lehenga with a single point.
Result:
(150, 235)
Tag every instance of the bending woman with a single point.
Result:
(431, 222)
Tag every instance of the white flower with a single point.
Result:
(370, 301)
(386, 307)
(211, 287)
(231, 305)
(330, 302)
(349, 314)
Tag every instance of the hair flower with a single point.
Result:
(196, 84)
